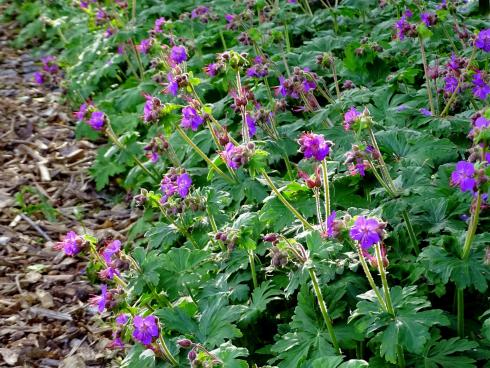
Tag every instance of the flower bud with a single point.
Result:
(184, 343)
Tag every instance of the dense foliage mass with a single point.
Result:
(311, 176)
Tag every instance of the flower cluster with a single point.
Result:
(175, 183)
(71, 244)
(481, 89)
(191, 118)
(110, 254)
(259, 68)
(237, 156)
(50, 71)
(152, 109)
(483, 40)
(157, 146)
(302, 82)
(469, 176)
(145, 329)
(314, 146)
(404, 28)
(176, 79)
(351, 117)
(357, 159)
(228, 237)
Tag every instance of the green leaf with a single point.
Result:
(229, 353)
(261, 296)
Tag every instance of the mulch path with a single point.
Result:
(45, 191)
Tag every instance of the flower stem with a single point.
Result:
(326, 190)
(460, 307)
(181, 229)
(324, 310)
(382, 272)
(426, 72)
(167, 352)
(316, 192)
(285, 202)
(401, 356)
(370, 278)
(252, 267)
(472, 228)
(203, 155)
(411, 232)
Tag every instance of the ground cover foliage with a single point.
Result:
(311, 177)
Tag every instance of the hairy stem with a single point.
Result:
(370, 278)
(426, 72)
(326, 190)
(251, 260)
(384, 281)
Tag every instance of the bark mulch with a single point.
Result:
(45, 191)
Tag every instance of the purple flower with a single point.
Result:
(450, 84)
(481, 89)
(230, 20)
(282, 86)
(172, 85)
(428, 18)
(39, 78)
(122, 319)
(403, 27)
(49, 64)
(367, 231)
(112, 248)
(425, 112)
(116, 342)
(252, 128)
(464, 176)
(178, 54)
(235, 156)
(144, 46)
(314, 146)
(308, 85)
(108, 273)
(330, 224)
(84, 4)
(350, 117)
(102, 300)
(82, 111)
(71, 244)
(211, 69)
(145, 329)
(190, 118)
(199, 11)
(184, 183)
(158, 25)
(97, 120)
(120, 49)
(483, 40)
(152, 109)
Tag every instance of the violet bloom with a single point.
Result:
(403, 27)
(122, 319)
(211, 69)
(158, 25)
(483, 40)
(97, 120)
(145, 329)
(450, 84)
(152, 109)
(178, 54)
(184, 183)
(84, 4)
(190, 118)
(480, 88)
(252, 128)
(428, 18)
(330, 224)
(351, 117)
(108, 273)
(116, 342)
(283, 90)
(367, 231)
(49, 64)
(71, 244)
(199, 11)
(39, 78)
(464, 176)
(102, 300)
(314, 146)
(82, 111)
(108, 32)
(230, 18)
(172, 85)
(425, 112)
(144, 46)
(112, 248)
(233, 156)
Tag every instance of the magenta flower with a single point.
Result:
(102, 300)
(122, 319)
(251, 124)
(480, 88)
(450, 84)
(39, 78)
(191, 119)
(145, 329)
(49, 64)
(158, 25)
(116, 342)
(178, 54)
(144, 46)
(172, 85)
(184, 183)
(71, 244)
(97, 120)
(464, 176)
(152, 109)
(331, 233)
(112, 249)
(235, 156)
(211, 69)
(428, 18)
(403, 27)
(367, 231)
(351, 117)
(108, 273)
(82, 111)
(483, 40)
(199, 11)
(314, 146)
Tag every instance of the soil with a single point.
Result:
(45, 191)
